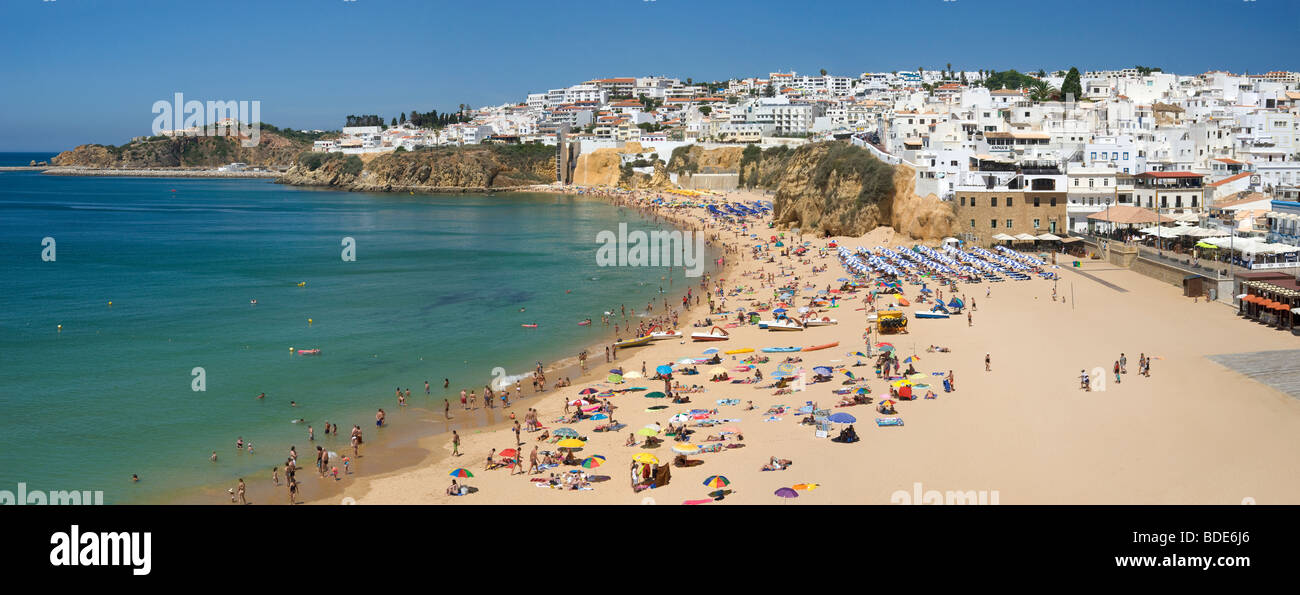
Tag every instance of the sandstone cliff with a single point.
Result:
(834, 188)
(479, 167)
(273, 150)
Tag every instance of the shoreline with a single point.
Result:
(412, 443)
(148, 173)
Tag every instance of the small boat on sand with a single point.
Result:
(819, 347)
(929, 314)
(637, 342)
(662, 335)
(785, 324)
(823, 321)
(714, 334)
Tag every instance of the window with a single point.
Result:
(1094, 155)
(993, 223)
(1091, 182)
(1105, 181)
(963, 201)
(972, 201)
(993, 201)
(972, 224)
(1035, 201)
(1076, 181)
(1009, 201)
(1053, 201)
(1036, 223)
(1008, 224)
(1126, 157)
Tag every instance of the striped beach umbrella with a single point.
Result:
(645, 457)
(462, 472)
(566, 433)
(686, 449)
(717, 481)
(587, 391)
(593, 461)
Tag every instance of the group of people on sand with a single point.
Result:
(1119, 369)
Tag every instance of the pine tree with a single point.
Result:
(1072, 86)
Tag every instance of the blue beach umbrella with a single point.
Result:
(842, 418)
(710, 351)
(664, 369)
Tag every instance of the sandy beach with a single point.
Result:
(1024, 432)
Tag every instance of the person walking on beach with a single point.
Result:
(607, 354)
(240, 490)
(988, 366)
(1116, 371)
(455, 444)
(275, 475)
(1123, 364)
(518, 442)
(969, 320)
(1083, 381)
(532, 461)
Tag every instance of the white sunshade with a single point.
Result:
(1002, 237)
(1025, 237)
(1049, 237)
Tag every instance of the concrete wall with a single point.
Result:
(719, 182)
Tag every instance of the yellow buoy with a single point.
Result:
(110, 304)
(308, 321)
(60, 328)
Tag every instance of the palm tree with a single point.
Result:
(1040, 91)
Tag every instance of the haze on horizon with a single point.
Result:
(82, 72)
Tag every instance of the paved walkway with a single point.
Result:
(1278, 369)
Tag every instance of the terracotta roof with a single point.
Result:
(1125, 214)
(1228, 161)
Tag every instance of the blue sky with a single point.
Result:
(86, 71)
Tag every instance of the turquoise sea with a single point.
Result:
(435, 291)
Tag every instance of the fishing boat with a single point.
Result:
(819, 347)
(637, 342)
(823, 321)
(714, 334)
(661, 335)
(929, 314)
(785, 324)
(308, 352)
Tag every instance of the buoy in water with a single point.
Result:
(308, 322)
(60, 328)
(110, 303)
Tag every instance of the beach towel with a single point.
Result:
(889, 421)
(773, 418)
(728, 401)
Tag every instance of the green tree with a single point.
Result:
(403, 120)
(1040, 91)
(394, 122)
(1072, 86)
(769, 90)
(706, 110)
(823, 72)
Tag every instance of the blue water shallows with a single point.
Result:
(435, 291)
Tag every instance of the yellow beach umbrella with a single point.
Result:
(900, 383)
(686, 449)
(632, 374)
(646, 457)
(647, 432)
(717, 370)
(570, 443)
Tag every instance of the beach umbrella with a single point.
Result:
(842, 418)
(686, 360)
(647, 432)
(786, 493)
(587, 391)
(822, 370)
(570, 443)
(710, 351)
(862, 391)
(655, 395)
(887, 402)
(509, 453)
(779, 310)
(462, 472)
(849, 374)
(901, 383)
(646, 457)
(717, 481)
(655, 427)
(616, 378)
(566, 433)
(859, 354)
(679, 418)
(593, 461)
(599, 416)
(616, 371)
(579, 402)
(685, 449)
(656, 408)
(842, 279)
(886, 347)
(664, 370)
(632, 374)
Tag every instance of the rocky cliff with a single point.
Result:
(273, 150)
(479, 167)
(834, 188)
